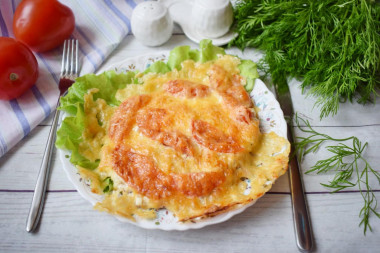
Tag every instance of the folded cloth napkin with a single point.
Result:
(100, 25)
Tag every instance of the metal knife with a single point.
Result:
(301, 219)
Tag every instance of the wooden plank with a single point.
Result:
(20, 166)
(69, 224)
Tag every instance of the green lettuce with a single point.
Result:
(158, 67)
(69, 136)
(248, 69)
(207, 52)
(108, 83)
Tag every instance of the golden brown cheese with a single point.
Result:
(187, 141)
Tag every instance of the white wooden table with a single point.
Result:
(69, 224)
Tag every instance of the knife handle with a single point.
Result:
(302, 225)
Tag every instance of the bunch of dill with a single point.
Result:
(334, 45)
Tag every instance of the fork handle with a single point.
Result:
(40, 189)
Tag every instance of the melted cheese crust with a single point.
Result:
(187, 141)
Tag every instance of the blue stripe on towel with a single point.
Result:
(41, 100)
(119, 13)
(90, 43)
(131, 3)
(3, 26)
(49, 68)
(113, 19)
(20, 116)
(3, 146)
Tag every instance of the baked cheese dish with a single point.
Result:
(182, 138)
(186, 140)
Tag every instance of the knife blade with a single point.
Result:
(301, 218)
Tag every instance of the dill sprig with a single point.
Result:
(334, 45)
(345, 160)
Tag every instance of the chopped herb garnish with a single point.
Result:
(109, 185)
(346, 161)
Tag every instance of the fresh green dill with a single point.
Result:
(109, 185)
(345, 160)
(334, 45)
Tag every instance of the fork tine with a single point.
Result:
(72, 59)
(76, 58)
(63, 58)
(67, 64)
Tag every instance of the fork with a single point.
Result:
(69, 71)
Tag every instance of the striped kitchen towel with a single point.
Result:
(100, 26)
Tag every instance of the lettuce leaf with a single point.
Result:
(69, 136)
(207, 52)
(108, 83)
(248, 69)
(158, 67)
(180, 54)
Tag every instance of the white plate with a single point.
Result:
(271, 119)
(180, 11)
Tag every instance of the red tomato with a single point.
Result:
(43, 24)
(18, 68)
